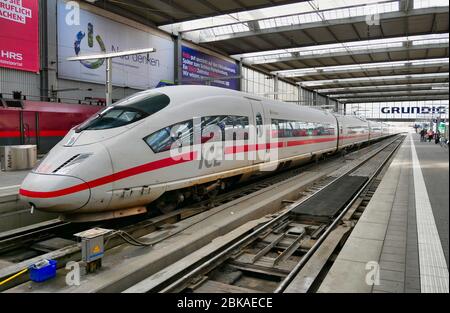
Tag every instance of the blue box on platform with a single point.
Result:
(43, 271)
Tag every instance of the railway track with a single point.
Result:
(303, 237)
(25, 237)
(27, 240)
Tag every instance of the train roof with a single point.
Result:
(192, 92)
(185, 93)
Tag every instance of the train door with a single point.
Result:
(262, 133)
(29, 127)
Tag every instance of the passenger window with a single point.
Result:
(259, 125)
(259, 119)
(274, 128)
(211, 125)
(241, 127)
(176, 135)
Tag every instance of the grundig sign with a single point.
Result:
(415, 110)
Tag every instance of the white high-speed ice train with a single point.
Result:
(150, 147)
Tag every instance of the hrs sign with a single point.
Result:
(19, 41)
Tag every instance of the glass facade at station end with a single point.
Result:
(257, 83)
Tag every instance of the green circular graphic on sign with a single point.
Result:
(91, 64)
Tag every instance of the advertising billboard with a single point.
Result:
(19, 34)
(200, 68)
(400, 110)
(90, 33)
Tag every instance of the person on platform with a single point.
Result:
(437, 137)
(422, 134)
(430, 135)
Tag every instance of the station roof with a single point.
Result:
(322, 45)
(162, 12)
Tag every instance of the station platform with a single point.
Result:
(10, 181)
(13, 213)
(401, 242)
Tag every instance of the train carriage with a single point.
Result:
(153, 147)
(39, 123)
(352, 130)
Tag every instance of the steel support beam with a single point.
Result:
(323, 71)
(275, 87)
(108, 85)
(356, 52)
(178, 65)
(327, 23)
(391, 94)
(382, 88)
(395, 99)
(43, 38)
(317, 84)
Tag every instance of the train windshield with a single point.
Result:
(149, 103)
(127, 111)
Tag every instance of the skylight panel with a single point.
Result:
(367, 45)
(359, 67)
(422, 4)
(385, 87)
(258, 14)
(369, 79)
(278, 16)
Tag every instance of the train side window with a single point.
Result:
(296, 129)
(241, 127)
(274, 128)
(259, 124)
(174, 136)
(259, 120)
(212, 124)
(285, 129)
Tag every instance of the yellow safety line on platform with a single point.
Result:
(14, 276)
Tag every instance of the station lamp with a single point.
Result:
(109, 57)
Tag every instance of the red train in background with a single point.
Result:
(39, 123)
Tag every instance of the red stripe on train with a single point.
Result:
(167, 162)
(152, 166)
(42, 133)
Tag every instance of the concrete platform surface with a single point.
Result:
(14, 213)
(10, 181)
(400, 243)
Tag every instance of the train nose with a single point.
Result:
(54, 193)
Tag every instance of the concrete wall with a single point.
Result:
(13, 80)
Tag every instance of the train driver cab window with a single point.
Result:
(174, 136)
(127, 111)
(150, 103)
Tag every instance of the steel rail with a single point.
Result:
(288, 279)
(211, 262)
